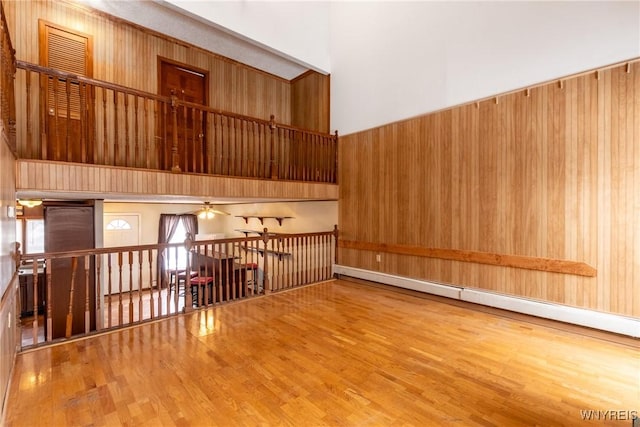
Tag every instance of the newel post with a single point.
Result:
(175, 166)
(188, 296)
(267, 282)
(274, 168)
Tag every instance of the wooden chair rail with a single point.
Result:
(515, 261)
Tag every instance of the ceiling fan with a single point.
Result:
(207, 212)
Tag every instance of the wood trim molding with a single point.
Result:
(503, 260)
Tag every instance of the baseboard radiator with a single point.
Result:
(578, 316)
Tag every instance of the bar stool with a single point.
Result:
(199, 284)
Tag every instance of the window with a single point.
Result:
(177, 257)
(30, 235)
(118, 224)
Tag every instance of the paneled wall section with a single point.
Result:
(310, 101)
(552, 173)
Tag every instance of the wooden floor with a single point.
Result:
(336, 353)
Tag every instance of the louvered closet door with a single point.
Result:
(68, 107)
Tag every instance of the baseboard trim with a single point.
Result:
(578, 316)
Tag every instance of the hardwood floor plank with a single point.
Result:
(335, 353)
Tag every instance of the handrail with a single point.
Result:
(135, 284)
(23, 65)
(86, 120)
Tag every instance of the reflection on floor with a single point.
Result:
(118, 311)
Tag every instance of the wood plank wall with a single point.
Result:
(127, 55)
(310, 101)
(552, 172)
(94, 181)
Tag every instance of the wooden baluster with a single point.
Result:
(49, 269)
(240, 142)
(307, 261)
(99, 290)
(230, 282)
(255, 147)
(82, 89)
(200, 143)
(44, 115)
(327, 257)
(127, 143)
(237, 133)
(175, 159)
(233, 146)
(56, 115)
(36, 303)
(224, 145)
(209, 141)
(120, 307)
(67, 143)
(266, 281)
(105, 137)
(176, 296)
(285, 265)
(148, 133)
(168, 271)
(298, 269)
(93, 133)
(140, 267)
(197, 142)
(29, 151)
(116, 130)
(87, 313)
(136, 134)
(109, 272)
(151, 290)
(188, 298)
(69, 324)
(184, 152)
(130, 291)
(158, 141)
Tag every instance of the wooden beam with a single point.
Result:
(503, 260)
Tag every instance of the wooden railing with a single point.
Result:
(7, 91)
(87, 291)
(77, 119)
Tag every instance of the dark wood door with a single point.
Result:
(68, 104)
(70, 228)
(187, 85)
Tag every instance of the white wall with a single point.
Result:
(150, 217)
(394, 60)
(298, 30)
(307, 217)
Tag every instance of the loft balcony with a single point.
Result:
(75, 134)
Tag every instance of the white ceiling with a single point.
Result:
(168, 19)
